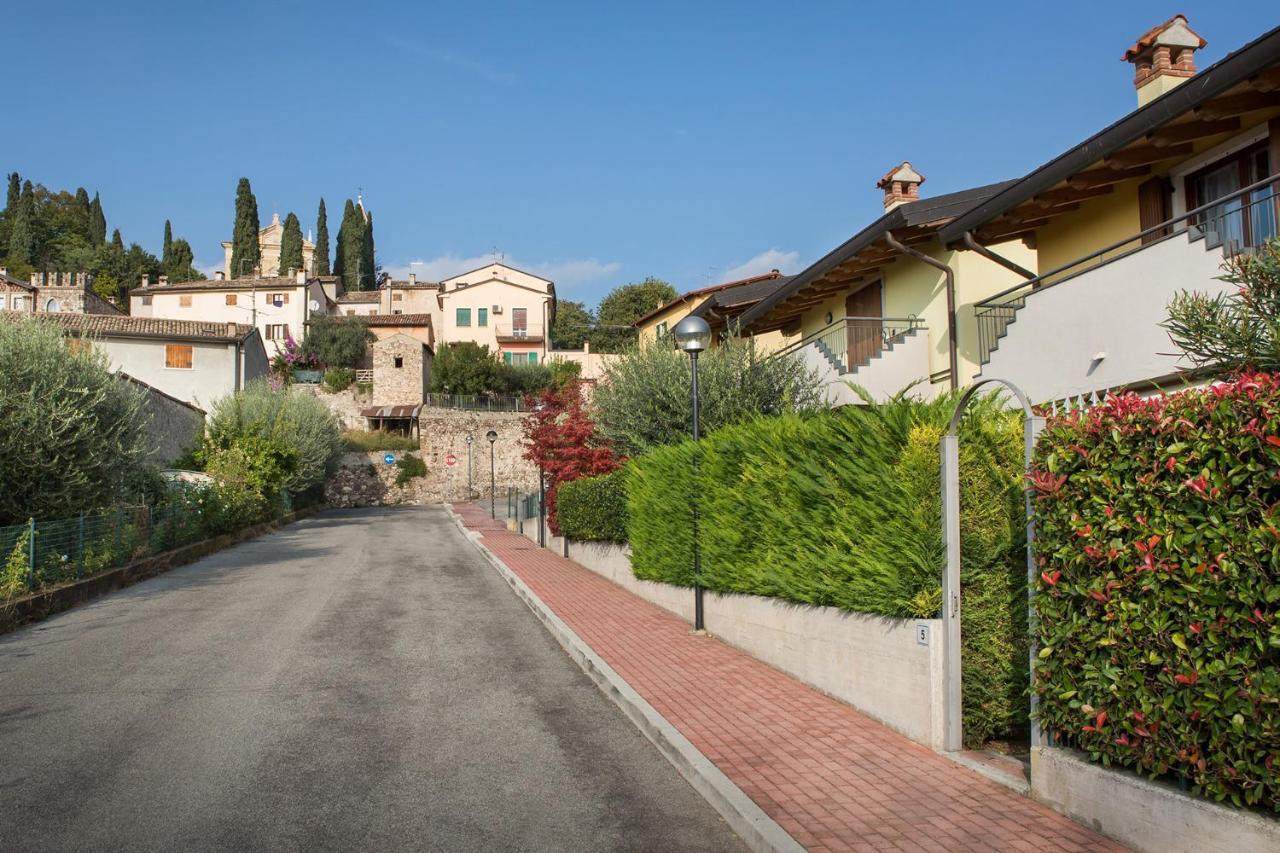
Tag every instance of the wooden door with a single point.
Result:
(865, 339)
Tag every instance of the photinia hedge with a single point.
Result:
(594, 509)
(1159, 545)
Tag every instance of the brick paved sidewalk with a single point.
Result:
(833, 778)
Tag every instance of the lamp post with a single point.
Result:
(693, 335)
(470, 490)
(492, 435)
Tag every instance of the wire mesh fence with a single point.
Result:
(41, 554)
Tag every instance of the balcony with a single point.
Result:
(508, 333)
(882, 355)
(1095, 324)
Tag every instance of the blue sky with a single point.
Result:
(595, 143)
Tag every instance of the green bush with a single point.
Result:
(73, 432)
(842, 509)
(1158, 536)
(408, 467)
(364, 441)
(336, 341)
(338, 379)
(593, 509)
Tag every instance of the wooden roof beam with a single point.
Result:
(1234, 105)
(998, 232)
(1066, 195)
(1143, 155)
(1267, 81)
(1191, 131)
(1106, 175)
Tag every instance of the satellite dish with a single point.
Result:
(314, 305)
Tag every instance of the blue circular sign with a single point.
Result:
(390, 459)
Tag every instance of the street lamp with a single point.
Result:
(470, 490)
(492, 435)
(693, 335)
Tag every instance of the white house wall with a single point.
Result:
(212, 374)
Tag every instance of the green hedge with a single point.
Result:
(1159, 540)
(593, 509)
(842, 509)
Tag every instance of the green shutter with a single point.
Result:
(464, 316)
(533, 358)
(482, 316)
(506, 357)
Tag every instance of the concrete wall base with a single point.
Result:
(1151, 817)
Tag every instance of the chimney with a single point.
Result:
(219, 276)
(413, 279)
(35, 279)
(293, 273)
(163, 281)
(232, 331)
(146, 280)
(901, 184)
(4, 271)
(1163, 58)
(300, 276)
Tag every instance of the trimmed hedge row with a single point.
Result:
(593, 509)
(842, 509)
(1159, 540)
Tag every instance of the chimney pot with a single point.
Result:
(4, 270)
(231, 329)
(146, 280)
(1163, 57)
(219, 276)
(300, 276)
(413, 279)
(901, 184)
(163, 281)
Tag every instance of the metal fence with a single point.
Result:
(477, 402)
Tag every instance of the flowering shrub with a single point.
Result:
(1159, 549)
(292, 358)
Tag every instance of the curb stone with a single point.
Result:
(760, 832)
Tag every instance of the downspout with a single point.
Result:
(973, 244)
(953, 359)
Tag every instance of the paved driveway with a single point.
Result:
(361, 680)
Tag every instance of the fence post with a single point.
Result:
(80, 549)
(31, 554)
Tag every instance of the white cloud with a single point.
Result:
(771, 259)
(566, 274)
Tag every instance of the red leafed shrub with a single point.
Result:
(560, 436)
(1158, 596)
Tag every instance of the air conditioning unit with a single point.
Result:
(497, 309)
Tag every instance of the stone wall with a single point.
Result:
(345, 405)
(364, 479)
(401, 371)
(174, 425)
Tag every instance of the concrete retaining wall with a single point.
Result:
(876, 664)
(1147, 816)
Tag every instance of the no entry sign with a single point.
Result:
(451, 460)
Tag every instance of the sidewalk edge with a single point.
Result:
(760, 832)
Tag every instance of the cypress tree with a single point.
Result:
(22, 228)
(368, 264)
(166, 254)
(84, 219)
(245, 252)
(291, 245)
(15, 191)
(97, 222)
(347, 257)
(117, 243)
(320, 262)
(179, 266)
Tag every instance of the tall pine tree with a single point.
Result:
(97, 222)
(320, 261)
(245, 252)
(166, 253)
(290, 245)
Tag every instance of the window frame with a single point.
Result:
(184, 300)
(171, 349)
(459, 314)
(482, 318)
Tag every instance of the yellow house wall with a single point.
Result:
(1097, 223)
(672, 315)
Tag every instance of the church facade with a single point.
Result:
(269, 240)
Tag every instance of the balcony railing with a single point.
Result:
(509, 332)
(1237, 223)
(852, 342)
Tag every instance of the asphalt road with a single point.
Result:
(361, 680)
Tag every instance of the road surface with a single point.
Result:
(361, 680)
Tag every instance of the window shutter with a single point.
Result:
(1154, 207)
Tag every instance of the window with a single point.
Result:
(146, 300)
(464, 317)
(482, 316)
(397, 297)
(506, 358)
(78, 345)
(1243, 222)
(399, 361)
(19, 303)
(277, 331)
(397, 311)
(278, 299)
(520, 321)
(533, 358)
(350, 313)
(231, 299)
(177, 356)
(51, 306)
(185, 300)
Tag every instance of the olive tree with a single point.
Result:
(73, 432)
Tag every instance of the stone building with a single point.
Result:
(52, 293)
(401, 371)
(269, 240)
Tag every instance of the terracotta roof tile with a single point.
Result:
(123, 325)
(1147, 39)
(355, 297)
(392, 319)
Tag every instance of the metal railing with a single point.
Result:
(1239, 222)
(508, 331)
(477, 402)
(852, 342)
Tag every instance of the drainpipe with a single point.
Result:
(952, 352)
(973, 244)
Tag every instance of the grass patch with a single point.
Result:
(364, 440)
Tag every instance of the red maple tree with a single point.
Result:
(560, 436)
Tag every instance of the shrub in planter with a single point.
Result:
(842, 509)
(1158, 541)
(594, 509)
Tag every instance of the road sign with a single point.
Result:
(389, 458)
(451, 460)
